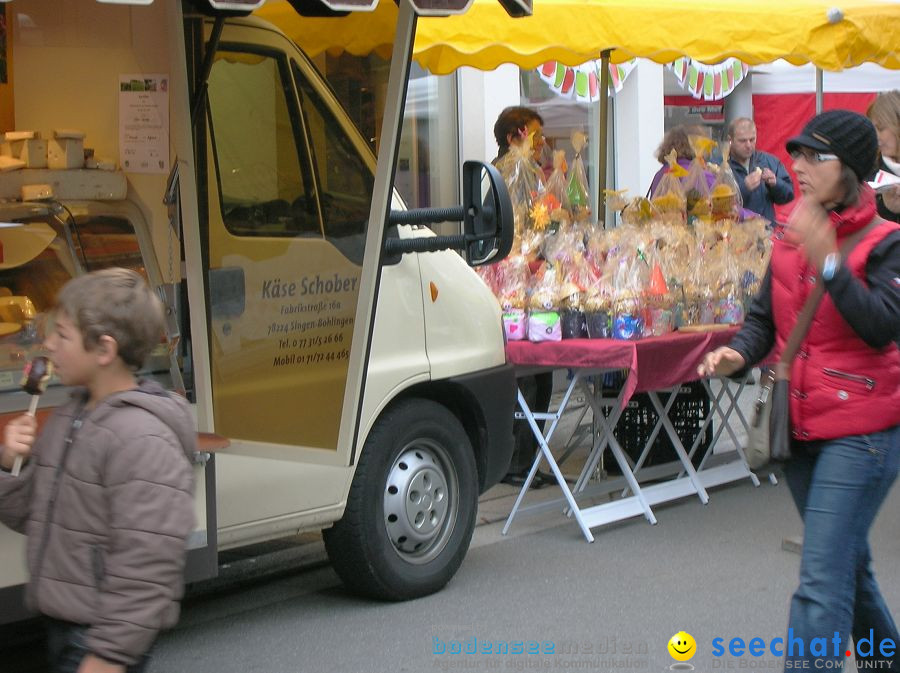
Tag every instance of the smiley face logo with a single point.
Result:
(682, 646)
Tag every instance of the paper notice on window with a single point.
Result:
(144, 123)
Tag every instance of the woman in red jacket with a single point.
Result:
(845, 386)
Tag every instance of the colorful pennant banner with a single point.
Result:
(582, 82)
(709, 82)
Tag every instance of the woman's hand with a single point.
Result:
(810, 227)
(723, 361)
(18, 436)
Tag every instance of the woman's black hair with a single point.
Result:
(510, 121)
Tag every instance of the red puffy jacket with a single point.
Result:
(839, 384)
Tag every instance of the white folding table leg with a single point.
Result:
(619, 453)
(725, 424)
(735, 396)
(648, 445)
(679, 447)
(600, 437)
(546, 453)
(714, 410)
(734, 399)
(725, 415)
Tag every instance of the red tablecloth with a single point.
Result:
(655, 363)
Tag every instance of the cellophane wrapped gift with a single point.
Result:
(699, 299)
(627, 293)
(728, 305)
(577, 189)
(524, 181)
(639, 212)
(544, 304)
(616, 200)
(512, 279)
(659, 314)
(557, 186)
(668, 197)
(696, 183)
(581, 279)
(725, 197)
(754, 255)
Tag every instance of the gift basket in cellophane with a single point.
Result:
(680, 260)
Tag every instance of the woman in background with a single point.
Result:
(885, 115)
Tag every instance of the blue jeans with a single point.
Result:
(838, 494)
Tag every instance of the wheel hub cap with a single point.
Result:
(417, 504)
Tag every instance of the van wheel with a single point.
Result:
(412, 505)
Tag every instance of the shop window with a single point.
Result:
(428, 161)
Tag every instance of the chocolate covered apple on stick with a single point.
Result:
(34, 382)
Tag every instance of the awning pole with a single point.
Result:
(820, 91)
(604, 125)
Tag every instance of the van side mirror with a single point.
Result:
(486, 214)
(488, 225)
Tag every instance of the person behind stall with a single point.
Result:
(678, 139)
(762, 178)
(106, 494)
(845, 380)
(884, 112)
(513, 127)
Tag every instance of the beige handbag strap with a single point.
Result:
(804, 319)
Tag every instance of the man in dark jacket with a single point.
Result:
(763, 179)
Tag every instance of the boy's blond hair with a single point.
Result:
(118, 303)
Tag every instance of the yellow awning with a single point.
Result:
(755, 31)
(358, 33)
(574, 31)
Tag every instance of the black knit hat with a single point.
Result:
(847, 134)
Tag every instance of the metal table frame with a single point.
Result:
(606, 412)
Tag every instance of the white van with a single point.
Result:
(343, 377)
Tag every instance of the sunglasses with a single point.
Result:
(812, 156)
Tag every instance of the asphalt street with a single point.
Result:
(714, 571)
(538, 599)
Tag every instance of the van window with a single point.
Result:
(264, 184)
(345, 181)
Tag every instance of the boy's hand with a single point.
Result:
(18, 436)
(92, 664)
(723, 361)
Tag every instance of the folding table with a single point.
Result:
(656, 365)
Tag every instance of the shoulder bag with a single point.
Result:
(769, 435)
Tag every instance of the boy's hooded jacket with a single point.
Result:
(107, 508)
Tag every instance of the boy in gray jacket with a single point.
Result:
(106, 494)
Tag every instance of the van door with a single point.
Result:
(289, 197)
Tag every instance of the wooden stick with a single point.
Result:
(32, 408)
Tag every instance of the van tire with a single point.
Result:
(411, 508)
